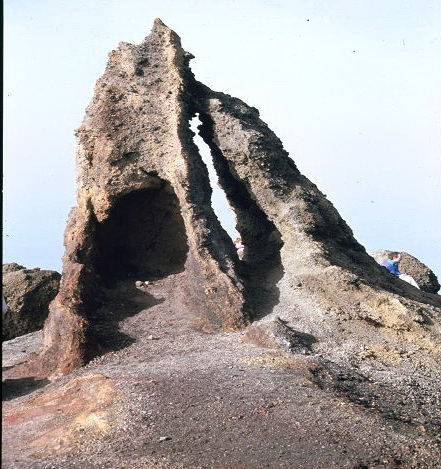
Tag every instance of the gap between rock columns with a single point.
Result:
(323, 277)
(135, 139)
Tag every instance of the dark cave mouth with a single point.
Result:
(144, 237)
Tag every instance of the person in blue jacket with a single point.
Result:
(391, 264)
(4, 306)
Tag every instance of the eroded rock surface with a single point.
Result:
(144, 214)
(28, 293)
(176, 398)
(11, 267)
(340, 366)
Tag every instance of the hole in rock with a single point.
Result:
(219, 201)
(261, 267)
(144, 237)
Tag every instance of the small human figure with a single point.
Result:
(4, 306)
(240, 247)
(391, 264)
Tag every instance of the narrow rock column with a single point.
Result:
(328, 278)
(136, 137)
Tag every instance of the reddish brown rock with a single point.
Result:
(144, 212)
(147, 266)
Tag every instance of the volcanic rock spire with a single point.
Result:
(144, 212)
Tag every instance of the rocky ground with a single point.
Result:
(167, 395)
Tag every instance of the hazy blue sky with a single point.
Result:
(352, 88)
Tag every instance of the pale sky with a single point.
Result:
(351, 87)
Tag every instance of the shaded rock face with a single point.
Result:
(423, 275)
(144, 210)
(143, 237)
(28, 293)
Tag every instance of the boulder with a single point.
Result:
(410, 265)
(28, 293)
(11, 267)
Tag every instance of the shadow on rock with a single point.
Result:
(123, 301)
(260, 280)
(13, 388)
(277, 332)
(404, 404)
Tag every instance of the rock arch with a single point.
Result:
(262, 268)
(136, 137)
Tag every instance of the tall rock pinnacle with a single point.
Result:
(144, 212)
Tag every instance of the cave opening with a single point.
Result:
(143, 238)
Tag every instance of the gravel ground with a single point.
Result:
(169, 396)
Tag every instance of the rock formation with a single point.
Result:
(144, 212)
(28, 293)
(410, 265)
(11, 267)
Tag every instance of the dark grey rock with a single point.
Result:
(28, 293)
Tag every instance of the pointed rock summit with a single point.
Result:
(144, 213)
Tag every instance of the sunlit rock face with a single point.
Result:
(144, 213)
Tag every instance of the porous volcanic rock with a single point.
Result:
(316, 356)
(28, 293)
(11, 267)
(144, 213)
(410, 265)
